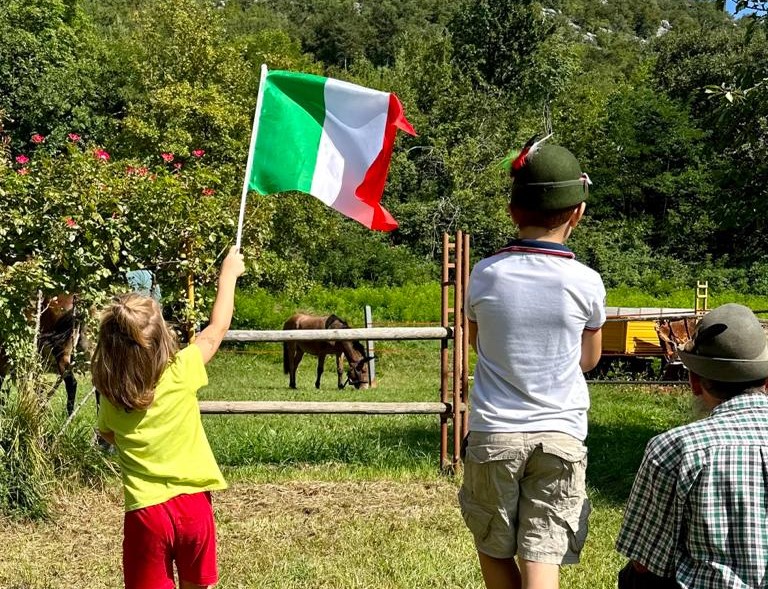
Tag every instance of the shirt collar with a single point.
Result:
(535, 246)
(745, 401)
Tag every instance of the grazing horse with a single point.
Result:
(353, 351)
(60, 335)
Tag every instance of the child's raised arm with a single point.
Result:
(210, 338)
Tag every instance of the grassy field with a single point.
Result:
(338, 501)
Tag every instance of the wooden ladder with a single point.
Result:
(701, 304)
(454, 370)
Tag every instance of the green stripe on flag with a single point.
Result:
(293, 106)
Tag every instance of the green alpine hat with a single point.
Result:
(547, 177)
(729, 345)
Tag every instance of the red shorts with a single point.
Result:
(180, 530)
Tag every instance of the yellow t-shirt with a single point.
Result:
(163, 451)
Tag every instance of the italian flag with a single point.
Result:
(328, 138)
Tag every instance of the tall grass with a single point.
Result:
(39, 450)
(25, 466)
(259, 309)
(635, 297)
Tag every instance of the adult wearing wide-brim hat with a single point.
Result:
(728, 345)
(697, 511)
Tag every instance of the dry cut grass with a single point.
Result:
(297, 534)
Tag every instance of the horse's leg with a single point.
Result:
(340, 369)
(70, 383)
(298, 354)
(288, 364)
(320, 368)
(63, 357)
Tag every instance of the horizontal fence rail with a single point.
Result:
(370, 333)
(366, 408)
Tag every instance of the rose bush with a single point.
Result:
(79, 219)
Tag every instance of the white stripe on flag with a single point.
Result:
(355, 120)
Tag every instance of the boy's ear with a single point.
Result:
(578, 213)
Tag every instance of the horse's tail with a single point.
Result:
(286, 360)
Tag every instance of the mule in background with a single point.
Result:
(61, 335)
(353, 351)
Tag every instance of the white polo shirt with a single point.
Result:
(532, 301)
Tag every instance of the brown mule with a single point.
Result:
(353, 351)
(61, 334)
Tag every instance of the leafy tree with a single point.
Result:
(53, 77)
(497, 42)
(651, 164)
(186, 87)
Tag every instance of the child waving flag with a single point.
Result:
(328, 138)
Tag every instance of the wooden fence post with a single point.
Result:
(369, 351)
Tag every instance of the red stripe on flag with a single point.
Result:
(372, 186)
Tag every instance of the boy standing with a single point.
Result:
(535, 321)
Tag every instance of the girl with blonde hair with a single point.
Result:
(150, 414)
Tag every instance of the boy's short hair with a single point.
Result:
(547, 177)
(548, 219)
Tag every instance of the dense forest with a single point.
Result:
(663, 101)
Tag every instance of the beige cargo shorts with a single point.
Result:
(525, 494)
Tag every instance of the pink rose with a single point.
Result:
(37, 138)
(100, 154)
(22, 159)
(168, 157)
(70, 222)
(74, 137)
(177, 166)
(208, 192)
(142, 171)
(23, 171)
(198, 152)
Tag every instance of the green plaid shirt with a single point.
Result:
(698, 510)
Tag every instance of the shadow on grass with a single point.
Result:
(615, 453)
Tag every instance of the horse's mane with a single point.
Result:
(334, 322)
(358, 347)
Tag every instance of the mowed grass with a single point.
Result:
(271, 447)
(323, 501)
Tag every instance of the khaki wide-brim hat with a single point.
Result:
(729, 345)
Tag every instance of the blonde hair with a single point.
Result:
(134, 348)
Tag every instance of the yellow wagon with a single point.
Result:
(640, 342)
